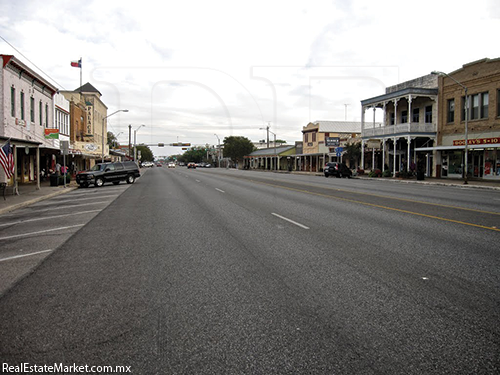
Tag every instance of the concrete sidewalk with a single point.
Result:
(29, 194)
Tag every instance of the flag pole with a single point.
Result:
(80, 72)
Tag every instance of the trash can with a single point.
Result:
(420, 176)
(53, 179)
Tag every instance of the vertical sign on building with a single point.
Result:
(89, 128)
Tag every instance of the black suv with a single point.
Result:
(337, 170)
(109, 172)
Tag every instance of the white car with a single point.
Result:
(171, 165)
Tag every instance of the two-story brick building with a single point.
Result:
(482, 128)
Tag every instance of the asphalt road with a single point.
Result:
(236, 272)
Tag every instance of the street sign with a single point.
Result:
(338, 151)
(332, 141)
(65, 147)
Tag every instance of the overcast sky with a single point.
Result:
(191, 69)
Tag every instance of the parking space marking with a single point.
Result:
(40, 232)
(25, 255)
(47, 218)
(290, 221)
(73, 205)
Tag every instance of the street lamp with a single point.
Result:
(103, 120)
(275, 155)
(135, 142)
(466, 118)
(218, 151)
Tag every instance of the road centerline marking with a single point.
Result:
(290, 221)
(222, 191)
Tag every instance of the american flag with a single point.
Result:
(7, 159)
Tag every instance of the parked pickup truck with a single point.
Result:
(101, 173)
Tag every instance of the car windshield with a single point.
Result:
(97, 167)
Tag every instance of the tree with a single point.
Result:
(353, 153)
(194, 154)
(112, 140)
(236, 148)
(146, 153)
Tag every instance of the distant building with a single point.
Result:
(87, 112)
(324, 141)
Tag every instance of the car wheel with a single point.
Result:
(130, 179)
(116, 182)
(99, 182)
(338, 175)
(326, 175)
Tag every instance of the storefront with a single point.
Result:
(482, 162)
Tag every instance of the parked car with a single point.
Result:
(337, 170)
(147, 164)
(192, 165)
(101, 173)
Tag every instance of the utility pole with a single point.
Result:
(130, 140)
(345, 105)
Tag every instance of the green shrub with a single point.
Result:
(387, 173)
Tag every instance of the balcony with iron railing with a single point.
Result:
(414, 128)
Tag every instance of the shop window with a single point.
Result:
(428, 114)
(404, 117)
(416, 115)
(451, 110)
(498, 103)
(13, 102)
(32, 109)
(22, 105)
(474, 107)
(485, 97)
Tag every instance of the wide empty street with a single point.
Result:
(215, 271)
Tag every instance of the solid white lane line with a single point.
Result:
(290, 221)
(40, 232)
(222, 191)
(47, 218)
(25, 255)
(198, 181)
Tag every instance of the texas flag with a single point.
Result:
(76, 64)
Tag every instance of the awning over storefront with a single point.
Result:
(461, 147)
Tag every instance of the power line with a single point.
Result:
(32, 63)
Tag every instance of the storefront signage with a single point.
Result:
(51, 133)
(332, 141)
(480, 141)
(90, 117)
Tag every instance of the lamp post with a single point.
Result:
(218, 151)
(466, 118)
(103, 120)
(135, 142)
